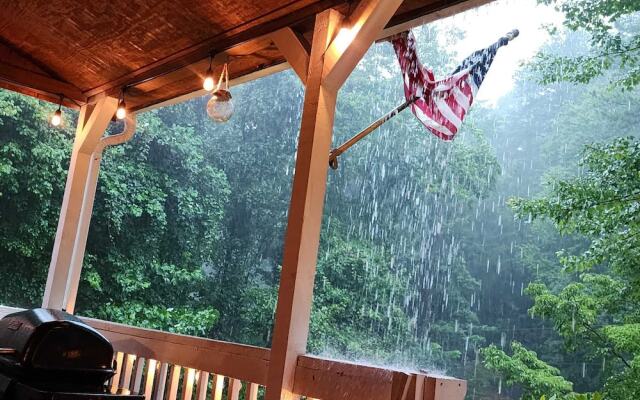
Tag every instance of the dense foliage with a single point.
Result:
(423, 260)
(536, 377)
(599, 313)
(614, 40)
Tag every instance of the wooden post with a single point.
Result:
(329, 65)
(305, 217)
(92, 123)
(80, 241)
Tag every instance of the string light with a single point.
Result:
(121, 112)
(208, 82)
(56, 118)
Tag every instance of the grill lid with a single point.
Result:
(53, 347)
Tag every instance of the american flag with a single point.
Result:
(442, 105)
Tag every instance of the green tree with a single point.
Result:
(523, 367)
(33, 164)
(600, 312)
(156, 221)
(612, 27)
(156, 224)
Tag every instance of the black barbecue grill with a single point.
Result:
(52, 355)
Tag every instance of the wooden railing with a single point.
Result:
(167, 366)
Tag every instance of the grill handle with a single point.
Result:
(5, 351)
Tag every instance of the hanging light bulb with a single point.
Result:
(56, 118)
(208, 83)
(121, 112)
(220, 107)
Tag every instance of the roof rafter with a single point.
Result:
(38, 82)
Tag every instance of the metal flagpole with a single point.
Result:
(336, 152)
(333, 155)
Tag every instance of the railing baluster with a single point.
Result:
(115, 381)
(137, 375)
(187, 383)
(174, 381)
(149, 378)
(127, 370)
(252, 391)
(233, 391)
(162, 381)
(217, 386)
(203, 382)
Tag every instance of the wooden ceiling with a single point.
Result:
(158, 49)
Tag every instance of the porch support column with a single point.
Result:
(75, 213)
(295, 50)
(329, 66)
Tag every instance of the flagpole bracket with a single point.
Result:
(333, 159)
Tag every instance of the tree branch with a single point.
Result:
(605, 342)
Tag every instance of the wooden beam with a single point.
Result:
(359, 31)
(438, 387)
(328, 379)
(295, 293)
(189, 71)
(295, 50)
(233, 82)
(428, 13)
(39, 82)
(37, 94)
(245, 363)
(92, 122)
(321, 378)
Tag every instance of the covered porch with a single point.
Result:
(156, 56)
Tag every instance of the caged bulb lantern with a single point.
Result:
(220, 106)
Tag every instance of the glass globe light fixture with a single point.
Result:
(220, 106)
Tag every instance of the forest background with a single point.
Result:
(508, 257)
